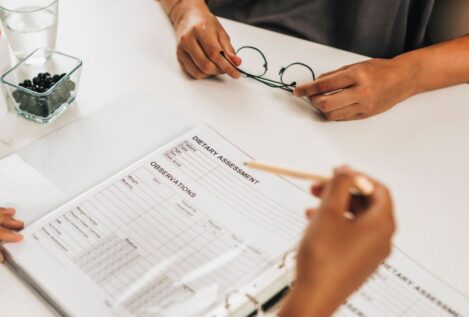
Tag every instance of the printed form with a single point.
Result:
(169, 235)
(400, 287)
(189, 219)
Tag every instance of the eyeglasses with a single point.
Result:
(255, 66)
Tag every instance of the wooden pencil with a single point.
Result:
(362, 184)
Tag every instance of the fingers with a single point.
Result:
(336, 196)
(7, 211)
(188, 65)
(8, 223)
(6, 214)
(13, 224)
(203, 45)
(211, 47)
(335, 101)
(230, 52)
(9, 236)
(197, 54)
(235, 59)
(381, 203)
(318, 189)
(310, 213)
(375, 209)
(346, 113)
(328, 84)
(358, 202)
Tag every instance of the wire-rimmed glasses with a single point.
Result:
(255, 66)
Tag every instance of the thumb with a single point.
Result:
(336, 197)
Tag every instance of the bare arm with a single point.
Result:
(438, 66)
(168, 4)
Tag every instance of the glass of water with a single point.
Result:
(29, 24)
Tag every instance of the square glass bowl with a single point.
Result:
(55, 87)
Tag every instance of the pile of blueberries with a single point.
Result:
(43, 106)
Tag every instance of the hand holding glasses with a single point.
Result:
(255, 66)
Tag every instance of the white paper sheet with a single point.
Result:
(25, 189)
(184, 224)
(400, 287)
(169, 235)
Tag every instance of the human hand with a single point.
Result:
(200, 39)
(8, 226)
(360, 90)
(337, 253)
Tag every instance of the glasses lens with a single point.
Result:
(253, 62)
(297, 73)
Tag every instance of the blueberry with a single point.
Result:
(48, 82)
(44, 105)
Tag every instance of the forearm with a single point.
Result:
(175, 8)
(438, 66)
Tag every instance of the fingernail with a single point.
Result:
(365, 186)
(19, 237)
(341, 170)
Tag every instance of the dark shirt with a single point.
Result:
(376, 28)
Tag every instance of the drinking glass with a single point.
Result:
(29, 24)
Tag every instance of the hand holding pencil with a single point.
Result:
(360, 192)
(337, 255)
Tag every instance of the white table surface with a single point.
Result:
(419, 148)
